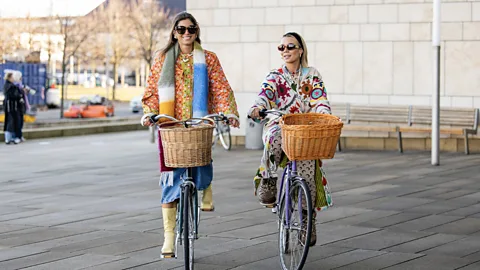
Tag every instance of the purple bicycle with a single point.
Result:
(295, 214)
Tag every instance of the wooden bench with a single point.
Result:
(372, 118)
(453, 121)
(407, 119)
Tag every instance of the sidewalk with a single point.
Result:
(93, 202)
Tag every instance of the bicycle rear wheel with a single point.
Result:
(188, 227)
(295, 226)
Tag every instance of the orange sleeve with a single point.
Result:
(150, 96)
(221, 96)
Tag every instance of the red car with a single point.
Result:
(91, 107)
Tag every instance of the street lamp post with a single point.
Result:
(436, 84)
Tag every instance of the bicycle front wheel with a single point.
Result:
(188, 227)
(295, 226)
(225, 136)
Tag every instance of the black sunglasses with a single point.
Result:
(289, 47)
(181, 29)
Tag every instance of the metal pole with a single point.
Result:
(436, 84)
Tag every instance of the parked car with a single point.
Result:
(91, 107)
(136, 104)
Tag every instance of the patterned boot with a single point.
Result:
(267, 191)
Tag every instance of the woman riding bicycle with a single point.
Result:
(186, 81)
(293, 88)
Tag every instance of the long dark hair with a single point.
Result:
(180, 17)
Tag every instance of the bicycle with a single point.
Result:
(294, 199)
(222, 131)
(188, 209)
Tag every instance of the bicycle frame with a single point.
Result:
(289, 174)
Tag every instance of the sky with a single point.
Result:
(43, 8)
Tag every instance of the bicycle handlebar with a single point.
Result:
(154, 118)
(264, 112)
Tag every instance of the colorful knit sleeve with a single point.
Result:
(221, 97)
(150, 96)
(318, 97)
(267, 96)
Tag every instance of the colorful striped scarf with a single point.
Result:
(166, 94)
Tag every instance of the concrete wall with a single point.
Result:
(369, 51)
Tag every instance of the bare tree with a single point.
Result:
(9, 38)
(118, 43)
(150, 21)
(75, 32)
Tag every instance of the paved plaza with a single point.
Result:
(93, 202)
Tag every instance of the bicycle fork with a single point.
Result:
(196, 213)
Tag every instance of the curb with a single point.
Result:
(66, 131)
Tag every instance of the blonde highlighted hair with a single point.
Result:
(303, 46)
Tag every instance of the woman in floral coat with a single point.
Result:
(293, 88)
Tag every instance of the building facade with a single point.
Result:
(368, 51)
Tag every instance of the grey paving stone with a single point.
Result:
(424, 223)
(251, 232)
(425, 243)
(394, 203)
(118, 238)
(455, 194)
(463, 226)
(38, 236)
(352, 200)
(5, 228)
(473, 266)
(201, 266)
(380, 240)
(340, 213)
(398, 191)
(333, 233)
(13, 253)
(459, 248)
(243, 256)
(344, 259)
(232, 225)
(64, 241)
(35, 259)
(124, 264)
(431, 262)
(437, 207)
(474, 257)
(381, 261)
(127, 246)
(77, 262)
(471, 210)
(431, 193)
(391, 220)
(364, 217)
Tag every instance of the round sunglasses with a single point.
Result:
(289, 47)
(182, 29)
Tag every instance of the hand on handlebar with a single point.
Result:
(256, 114)
(233, 122)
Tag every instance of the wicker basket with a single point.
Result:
(187, 147)
(310, 136)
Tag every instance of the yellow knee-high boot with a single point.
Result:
(207, 199)
(169, 221)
